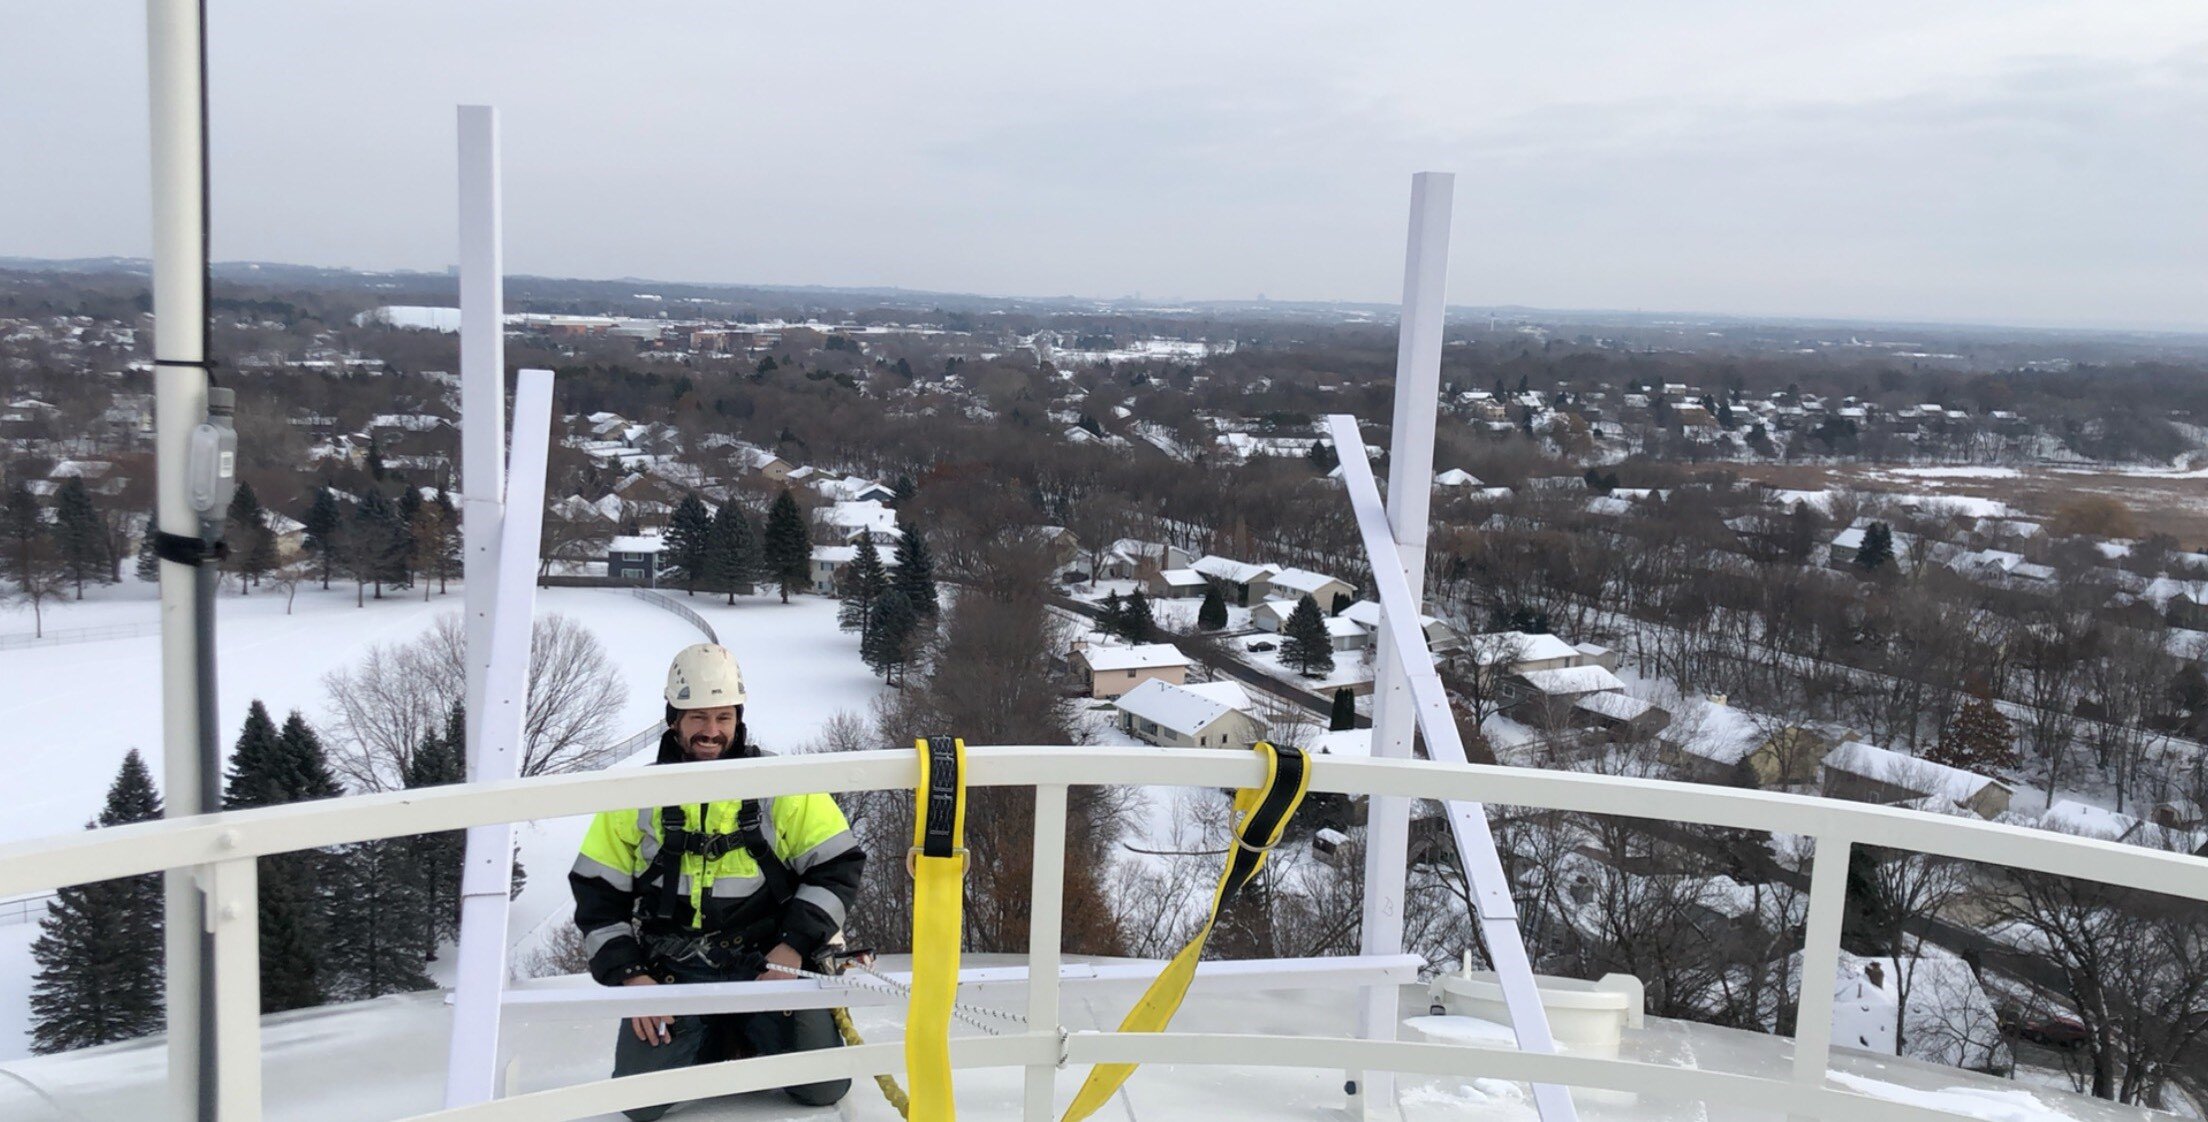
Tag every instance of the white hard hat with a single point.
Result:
(704, 676)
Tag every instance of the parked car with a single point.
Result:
(1260, 645)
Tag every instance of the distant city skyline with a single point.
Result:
(2029, 164)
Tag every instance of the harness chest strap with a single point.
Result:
(1262, 816)
(937, 862)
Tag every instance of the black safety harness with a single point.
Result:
(662, 880)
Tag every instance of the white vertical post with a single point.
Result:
(177, 89)
(233, 918)
(1410, 488)
(471, 1074)
(482, 394)
(1046, 903)
(1828, 893)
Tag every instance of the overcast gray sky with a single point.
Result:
(2010, 161)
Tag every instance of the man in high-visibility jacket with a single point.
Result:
(714, 892)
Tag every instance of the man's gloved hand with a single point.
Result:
(782, 955)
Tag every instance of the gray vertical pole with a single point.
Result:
(1410, 487)
(176, 61)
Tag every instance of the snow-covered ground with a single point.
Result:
(64, 726)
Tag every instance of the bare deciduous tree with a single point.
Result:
(400, 693)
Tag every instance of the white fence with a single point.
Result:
(24, 909)
(669, 604)
(220, 849)
(55, 637)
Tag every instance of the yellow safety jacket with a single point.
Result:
(720, 888)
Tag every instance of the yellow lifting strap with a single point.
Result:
(1261, 815)
(937, 862)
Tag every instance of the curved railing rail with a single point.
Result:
(667, 603)
(226, 844)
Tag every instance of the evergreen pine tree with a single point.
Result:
(915, 575)
(1877, 549)
(1111, 619)
(272, 768)
(689, 541)
(1307, 648)
(322, 521)
(901, 491)
(406, 547)
(99, 968)
(1978, 739)
(733, 563)
(1211, 615)
(1343, 714)
(863, 581)
(374, 543)
(788, 549)
(252, 546)
(80, 535)
(1135, 620)
(374, 944)
(888, 646)
(149, 563)
(436, 858)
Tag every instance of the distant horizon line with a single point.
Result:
(449, 273)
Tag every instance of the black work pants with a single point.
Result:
(727, 1036)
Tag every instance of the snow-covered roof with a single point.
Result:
(1142, 656)
(1181, 578)
(410, 422)
(1366, 613)
(1230, 570)
(1304, 581)
(1572, 680)
(1456, 477)
(864, 514)
(1616, 706)
(1518, 646)
(2087, 820)
(1187, 710)
(1909, 773)
(636, 543)
(80, 469)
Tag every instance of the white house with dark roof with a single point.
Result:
(1205, 715)
(1440, 636)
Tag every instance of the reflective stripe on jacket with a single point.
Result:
(725, 895)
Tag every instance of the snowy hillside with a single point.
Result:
(63, 726)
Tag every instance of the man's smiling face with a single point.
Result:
(707, 733)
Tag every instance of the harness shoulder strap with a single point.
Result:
(781, 883)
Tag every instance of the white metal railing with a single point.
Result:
(55, 637)
(669, 604)
(24, 909)
(220, 849)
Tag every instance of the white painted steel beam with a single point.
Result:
(486, 877)
(1410, 489)
(233, 918)
(482, 394)
(1828, 891)
(565, 999)
(1483, 867)
(83, 856)
(1046, 900)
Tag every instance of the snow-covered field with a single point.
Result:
(71, 711)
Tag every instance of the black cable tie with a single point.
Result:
(186, 550)
(199, 364)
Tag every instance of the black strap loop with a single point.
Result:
(940, 838)
(187, 550)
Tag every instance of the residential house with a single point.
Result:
(1177, 584)
(829, 560)
(1456, 477)
(774, 468)
(848, 520)
(1514, 652)
(1113, 670)
(1548, 698)
(1205, 715)
(1440, 636)
(1331, 593)
(635, 557)
(1244, 585)
(1868, 773)
(1848, 542)
(1134, 559)
(1622, 716)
